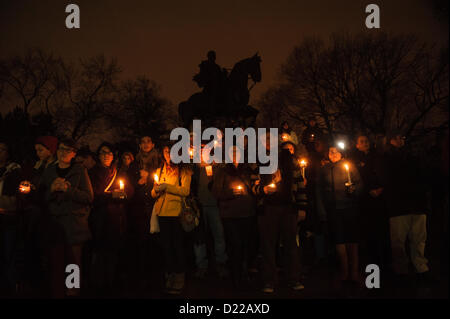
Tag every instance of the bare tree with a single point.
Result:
(88, 93)
(139, 109)
(24, 79)
(374, 83)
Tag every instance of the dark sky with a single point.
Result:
(166, 40)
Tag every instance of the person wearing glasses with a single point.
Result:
(108, 218)
(65, 193)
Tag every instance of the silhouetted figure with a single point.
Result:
(224, 97)
(209, 77)
(311, 134)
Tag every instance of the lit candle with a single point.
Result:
(303, 166)
(25, 188)
(121, 185)
(191, 153)
(240, 189)
(284, 137)
(155, 177)
(348, 173)
(272, 185)
(209, 170)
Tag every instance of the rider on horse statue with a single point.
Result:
(210, 77)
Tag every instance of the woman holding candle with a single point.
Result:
(173, 183)
(287, 134)
(108, 217)
(237, 206)
(338, 188)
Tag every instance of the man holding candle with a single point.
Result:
(143, 251)
(338, 188)
(202, 185)
(233, 191)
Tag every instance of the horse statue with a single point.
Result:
(229, 103)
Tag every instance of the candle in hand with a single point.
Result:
(191, 153)
(209, 170)
(121, 185)
(155, 177)
(284, 137)
(303, 166)
(272, 185)
(348, 173)
(25, 188)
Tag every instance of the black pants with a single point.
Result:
(238, 238)
(279, 222)
(172, 238)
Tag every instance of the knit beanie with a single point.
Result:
(49, 142)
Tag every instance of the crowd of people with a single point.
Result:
(116, 215)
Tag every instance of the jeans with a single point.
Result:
(213, 221)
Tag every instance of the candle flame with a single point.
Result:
(272, 185)
(303, 162)
(239, 187)
(346, 166)
(284, 137)
(121, 185)
(155, 177)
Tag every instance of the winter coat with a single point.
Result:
(9, 183)
(70, 209)
(108, 217)
(234, 206)
(178, 183)
(332, 193)
(406, 186)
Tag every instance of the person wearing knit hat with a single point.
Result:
(45, 147)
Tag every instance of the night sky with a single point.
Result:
(166, 40)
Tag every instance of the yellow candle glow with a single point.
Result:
(272, 185)
(209, 170)
(155, 177)
(191, 153)
(121, 185)
(25, 189)
(284, 137)
(239, 187)
(348, 173)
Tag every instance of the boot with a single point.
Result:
(178, 284)
(169, 281)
